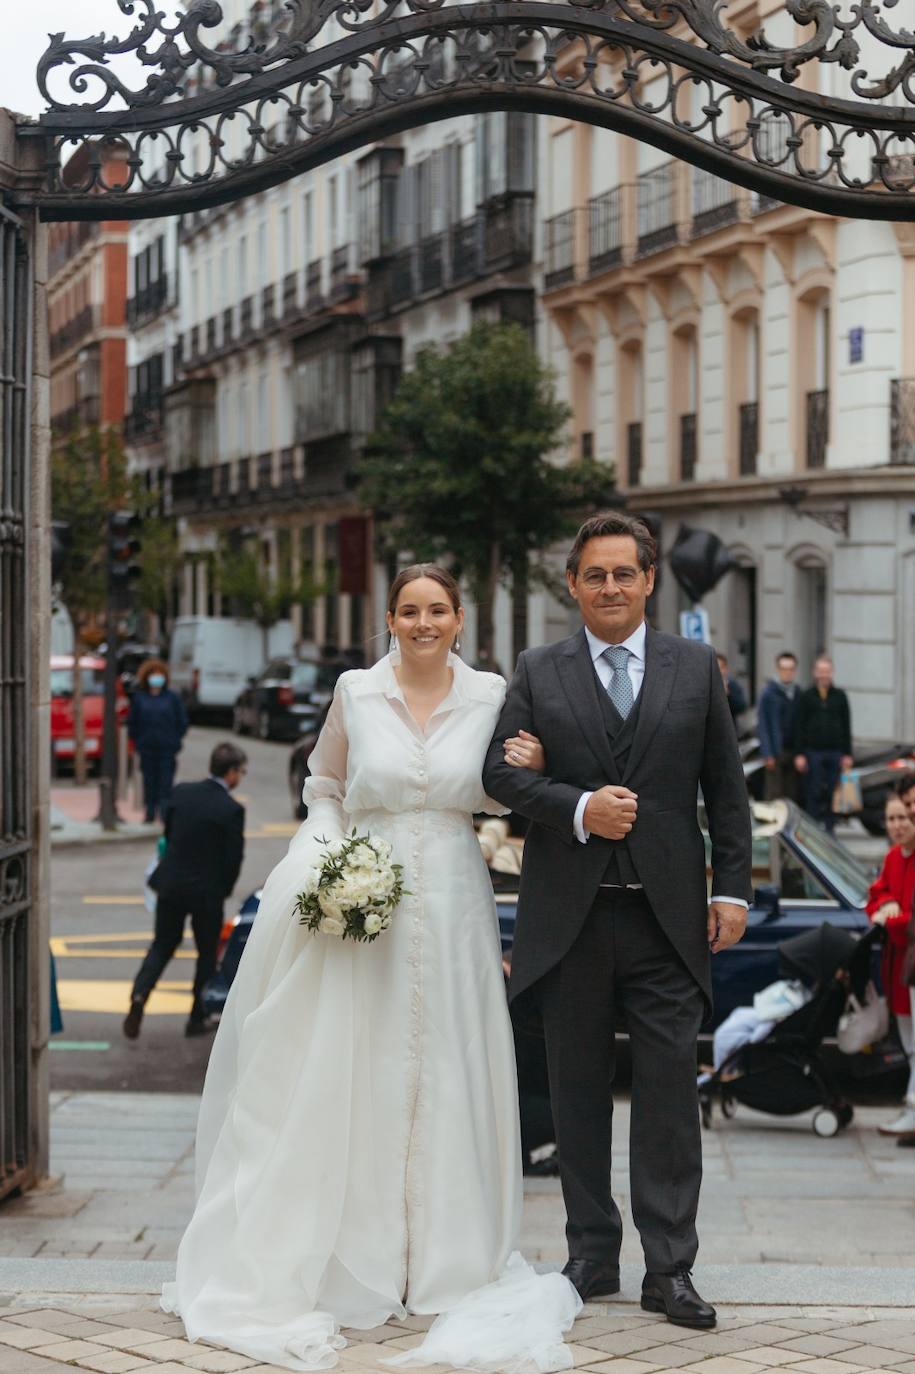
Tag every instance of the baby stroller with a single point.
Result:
(784, 1073)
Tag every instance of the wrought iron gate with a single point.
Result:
(15, 730)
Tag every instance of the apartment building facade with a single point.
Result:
(87, 292)
(750, 369)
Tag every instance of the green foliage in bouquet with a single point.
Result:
(354, 891)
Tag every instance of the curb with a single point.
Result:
(71, 837)
(749, 1285)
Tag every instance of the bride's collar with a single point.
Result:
(468, 684)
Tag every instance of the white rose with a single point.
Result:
(373, 924)
(331, 926)
(363, 857)
(382, 849)
(330, 906)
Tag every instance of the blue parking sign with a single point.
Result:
(694, 625)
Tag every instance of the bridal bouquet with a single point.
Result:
(353, 891)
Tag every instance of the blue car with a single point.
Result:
(803, 877)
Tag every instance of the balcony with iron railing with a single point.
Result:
(498, 238)
(246, 318)
(290, 294)
(658, 209)
(817, 428)
(344, 280)
(144, 419)
(73, 332)
(605, 230)
(148, 302)
(716, 202)
(688, 448)
(748, 425)
(268, 307)
(902, 420)
(314, 284)
(560, 249)
(211, 334)
(634, 453)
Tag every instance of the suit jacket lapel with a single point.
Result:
(660, 671)
(581, 686)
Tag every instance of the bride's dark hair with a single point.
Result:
(417, 570)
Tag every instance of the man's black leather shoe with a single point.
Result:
(674, 1296)
(200, 1028)
(592, 1278)
(131, 1026)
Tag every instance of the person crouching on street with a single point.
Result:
(204, 848)
(157, 724)
(890, 905)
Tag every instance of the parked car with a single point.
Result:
(288, 698)
(803, 877)
(211, 659)
(63, 733)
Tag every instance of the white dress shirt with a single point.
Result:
(636, 669)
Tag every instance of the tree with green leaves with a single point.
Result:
(463, 468)
(253, 591)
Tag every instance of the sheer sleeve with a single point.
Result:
(325, 789)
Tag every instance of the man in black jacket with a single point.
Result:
(204, 834)
(822, 738)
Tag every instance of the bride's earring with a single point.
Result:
(393, 646)
(456, 646)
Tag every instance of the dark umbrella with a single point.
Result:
(817, 954)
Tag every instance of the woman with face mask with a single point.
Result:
(157, 724)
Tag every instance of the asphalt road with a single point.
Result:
(101, 929)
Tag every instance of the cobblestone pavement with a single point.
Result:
(122, 1336)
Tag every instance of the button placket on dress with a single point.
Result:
(412, 1192)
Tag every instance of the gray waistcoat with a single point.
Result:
(620, 733)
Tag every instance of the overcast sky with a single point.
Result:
(24, 29)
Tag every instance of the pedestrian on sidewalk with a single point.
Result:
(737, 701)
(891, 905)
(204, 847)
(822, 739)
(774, 724)
(157, 724)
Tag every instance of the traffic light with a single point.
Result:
(123, 549)
(61, 543)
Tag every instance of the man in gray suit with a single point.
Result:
(614, 916)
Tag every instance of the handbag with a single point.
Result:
(846, 798)
(863, 1024)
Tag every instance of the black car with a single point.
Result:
(287, 699)
(803, 877)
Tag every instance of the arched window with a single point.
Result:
(812, 609)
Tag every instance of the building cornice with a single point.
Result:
(894, 479)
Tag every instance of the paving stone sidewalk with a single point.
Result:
(121, 1336)
(807, 1249)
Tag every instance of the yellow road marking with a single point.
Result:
(109, 938)
(113, 996)
(60, 951)
(113, 901)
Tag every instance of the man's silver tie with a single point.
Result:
(620, 689)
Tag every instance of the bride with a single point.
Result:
(358, 1152)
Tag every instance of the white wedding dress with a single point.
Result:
(358, 1150)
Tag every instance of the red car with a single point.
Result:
(63, 744)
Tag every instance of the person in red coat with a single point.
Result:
(890, 905)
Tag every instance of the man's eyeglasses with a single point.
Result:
(594, 578)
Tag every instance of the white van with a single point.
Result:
(211, 658)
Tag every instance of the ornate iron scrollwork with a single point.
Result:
(268, 101)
